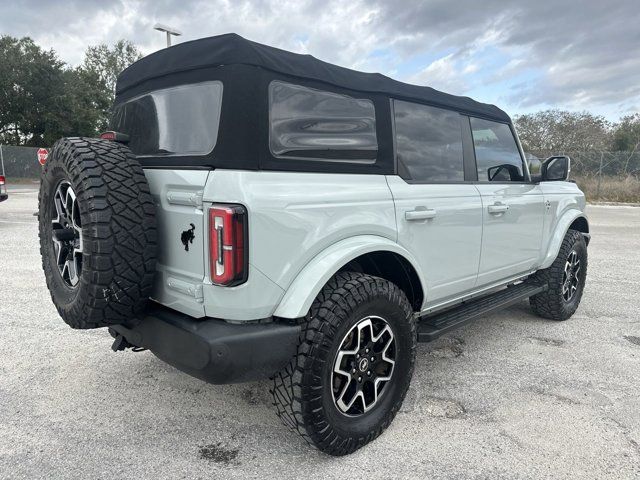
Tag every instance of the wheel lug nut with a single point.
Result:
(353, 371)
(366, 350)
(357, 355)
(359, 379)
(373, 359)
(369, 373)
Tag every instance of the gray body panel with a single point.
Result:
(303, 227)
(180, 272)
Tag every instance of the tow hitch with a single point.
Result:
(120, 343)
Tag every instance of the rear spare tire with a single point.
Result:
(97, 232)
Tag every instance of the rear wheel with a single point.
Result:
(565, 278)
(353, 366)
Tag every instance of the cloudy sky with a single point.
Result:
(523, 55)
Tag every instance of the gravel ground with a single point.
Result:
(511, 396)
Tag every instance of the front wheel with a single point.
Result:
(565, 279)
(353, 366)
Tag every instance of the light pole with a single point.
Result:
(168, 30)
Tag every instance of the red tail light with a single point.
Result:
(115, 137)
(228, 253)
(111, 136)
(2, 180)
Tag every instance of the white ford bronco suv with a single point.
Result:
(256, 213)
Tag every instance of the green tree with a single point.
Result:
(626, 134)
(31, 84)
(562, 131)
(42, 99)
(101, 67)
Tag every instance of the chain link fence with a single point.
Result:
(20, 163)
(603, 176)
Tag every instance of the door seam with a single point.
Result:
(475, 284)
(395, 208)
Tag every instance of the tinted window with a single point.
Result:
(174, 121)
(313, 124)
(497, 154)
(428, 143)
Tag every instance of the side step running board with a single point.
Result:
(433, 326)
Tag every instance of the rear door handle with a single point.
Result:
(498, 208)
(419, 214)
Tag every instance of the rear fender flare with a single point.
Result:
(307, 285)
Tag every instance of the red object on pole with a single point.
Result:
(43, 153)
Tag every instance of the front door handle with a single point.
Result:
(419, 214)
(498, 208)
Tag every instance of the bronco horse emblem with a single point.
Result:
(188, 236)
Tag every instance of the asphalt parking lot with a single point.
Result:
(511, 396)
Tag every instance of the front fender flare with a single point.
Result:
(307, 285)
(559, 233)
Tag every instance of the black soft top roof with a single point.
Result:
(230, 49)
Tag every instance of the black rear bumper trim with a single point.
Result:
(214, 350)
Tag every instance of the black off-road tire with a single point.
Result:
(551, 304)
(118, 230)
(302, 392)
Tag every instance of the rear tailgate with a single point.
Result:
(181, 242)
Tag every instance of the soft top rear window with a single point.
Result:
(180, 120)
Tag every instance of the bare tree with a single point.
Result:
(561, 131)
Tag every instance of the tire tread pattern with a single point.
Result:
(550, 304)
(119, 231)
(298, 400)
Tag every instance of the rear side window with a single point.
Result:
(180, 120)
(428, 143)
(497, 155)
(312, 124)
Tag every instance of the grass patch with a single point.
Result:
(611, 189)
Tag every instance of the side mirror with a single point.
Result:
(556, 169)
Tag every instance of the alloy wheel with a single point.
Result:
(67, 234)
(570, 277)
(363, 366)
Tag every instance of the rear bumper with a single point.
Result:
(214, 350)
(3, 197)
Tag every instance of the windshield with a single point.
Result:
(174, 121)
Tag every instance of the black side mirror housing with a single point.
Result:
(555, 169)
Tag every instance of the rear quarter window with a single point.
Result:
(180, 120)
(311, 124)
